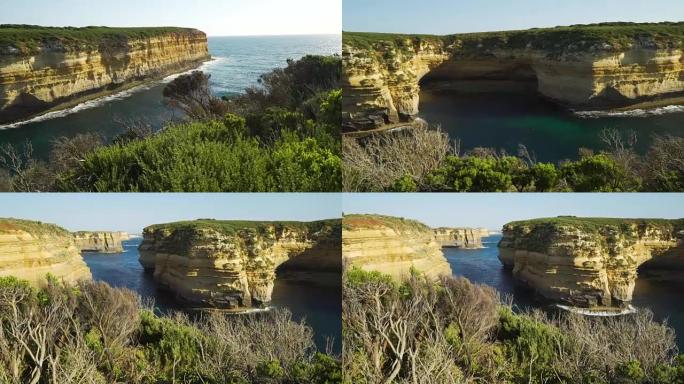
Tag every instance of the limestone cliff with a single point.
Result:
(470, 238)
(593, 66)
(43, 68)
(101, 241)
(587, 262)
(30, 250)
(232, 264)
(391, 245)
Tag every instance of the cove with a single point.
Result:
(504, 114)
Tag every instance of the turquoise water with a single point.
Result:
(319, 305)
(483, 266)
(503, 115)
(237, 64)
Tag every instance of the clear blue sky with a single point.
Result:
(457, 16)
(215, 17)
(133, 211)
(493, 210)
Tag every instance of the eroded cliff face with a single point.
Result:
(35, 82)
(30, 250)
(587, 262)
(102, 242)
(470, 238)
(233, 264)
(382, 75)
(391, 245)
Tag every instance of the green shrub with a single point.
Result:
(209, 156)
(595, 173)
(531, 344)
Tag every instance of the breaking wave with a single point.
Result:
(632, 113)
(598, 313)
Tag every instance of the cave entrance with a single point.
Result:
(493, 105)
(665, 268)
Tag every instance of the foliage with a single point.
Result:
(400, 331)
(422, 160)
(208, 156)
(93, 333)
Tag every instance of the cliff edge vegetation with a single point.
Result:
(30, 39)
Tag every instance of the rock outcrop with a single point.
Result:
(55, 66)
(470, 238)
(31, 250)
(232, 264)
(588, 262)
(100, 241)
(391, 245)
(593, 66)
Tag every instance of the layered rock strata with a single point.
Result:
(31, 250)
(56, 70)
(391, 245)
(593, 66)
(232, 264)
(102, 241)
(587, 262)
(470, 238)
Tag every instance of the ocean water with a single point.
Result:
(483, 266)
(237, 64)
(503, 115)
(318, 304)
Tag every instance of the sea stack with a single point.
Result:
(232, 264)
(100, 241)
(468, 238)
(589, 262)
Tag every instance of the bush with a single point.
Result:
(92, 333)
(211, 156)
(417, 159)
(396, 331)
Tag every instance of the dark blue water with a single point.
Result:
(318, 304)
(503, 115)
(237, 64)
(483, 266)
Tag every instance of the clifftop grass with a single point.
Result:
(29, 38)
(594, 224)
(603, 36)
(230, 227)
(33, 227)
(400, 224)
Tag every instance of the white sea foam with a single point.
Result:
(632, 113)
(598, 313)
(80, 107)
(106, 99)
